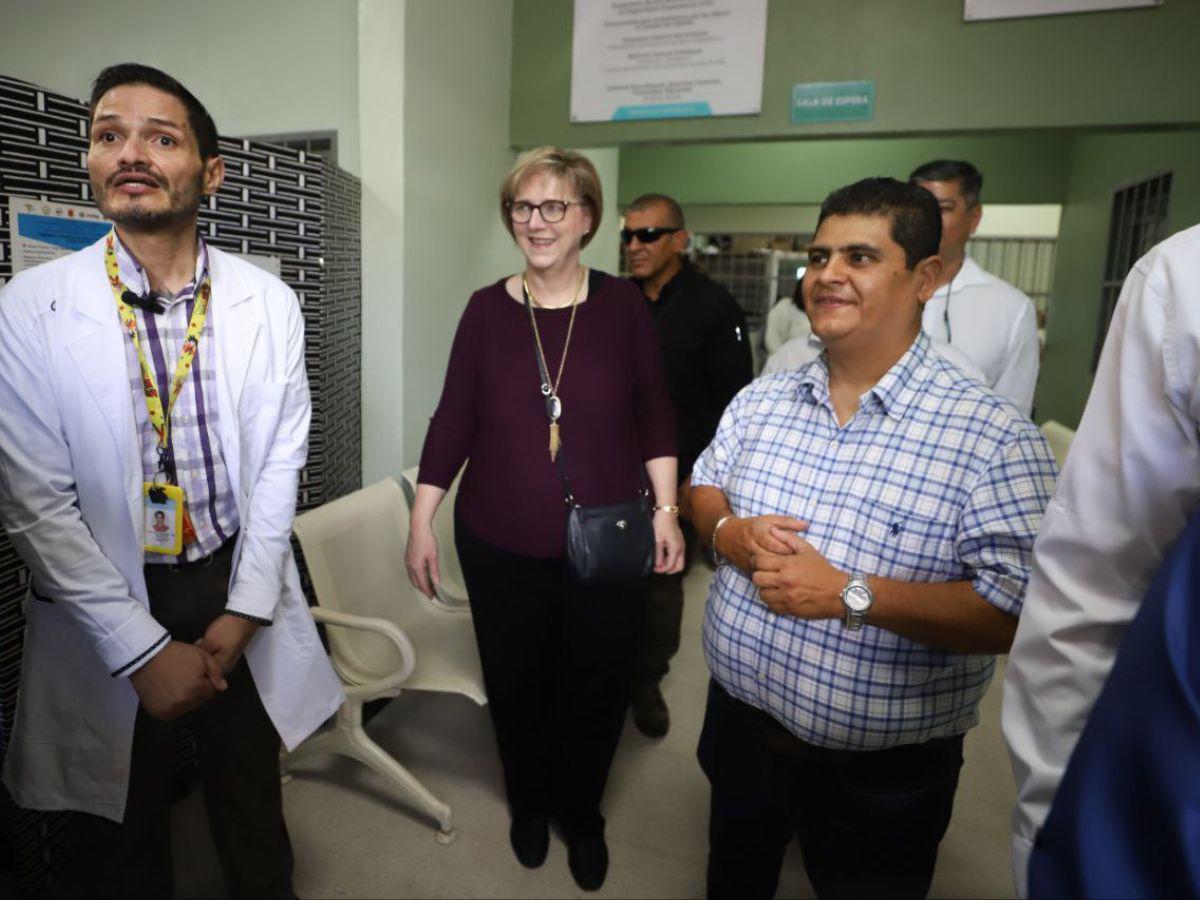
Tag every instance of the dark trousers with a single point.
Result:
(664, 613)
(556, 660)
(238, 750)
(869, 822)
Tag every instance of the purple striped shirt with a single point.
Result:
(195, 445)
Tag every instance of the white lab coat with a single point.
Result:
(1129, 486)
(785, 322)
(71, 501)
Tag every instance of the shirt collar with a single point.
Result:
(671, 286)
(134, 276)
(971, 273)
(893, 394)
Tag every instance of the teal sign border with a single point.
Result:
(662, 111)
(833, 101)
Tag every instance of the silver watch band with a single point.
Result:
(856, 619)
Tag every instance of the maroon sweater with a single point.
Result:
(616, 413)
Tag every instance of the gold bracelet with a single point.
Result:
(667, 507)
(721, 560)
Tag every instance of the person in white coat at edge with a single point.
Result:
(121, 637)
(1129, 486)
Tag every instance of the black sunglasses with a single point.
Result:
(645, 235)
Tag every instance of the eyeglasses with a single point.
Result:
(521, 211)
(645, 235)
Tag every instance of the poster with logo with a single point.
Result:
(42, 230)
(667, 59)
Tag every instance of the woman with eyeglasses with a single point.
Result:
(556, 655)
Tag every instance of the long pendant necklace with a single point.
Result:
(550, 391)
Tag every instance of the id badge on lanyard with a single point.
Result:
(164, 517)
(168, 526)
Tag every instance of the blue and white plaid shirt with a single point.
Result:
(935, 479)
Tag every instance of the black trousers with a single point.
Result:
(664, 614)
(869, 822)
(238, 750)
(556, 662)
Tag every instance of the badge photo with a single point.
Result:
(164, 518)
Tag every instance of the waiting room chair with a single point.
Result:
(1059, 437)
(452, 591)
(385, 637)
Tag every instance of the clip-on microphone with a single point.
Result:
(148, 302)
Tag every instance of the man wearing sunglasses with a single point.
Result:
(706, 353)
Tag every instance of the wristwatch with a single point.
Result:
(857, 599)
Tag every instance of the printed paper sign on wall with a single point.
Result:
(665, 59)
(42, 230)
(976, 10)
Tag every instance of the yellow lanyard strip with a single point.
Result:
(159, 419)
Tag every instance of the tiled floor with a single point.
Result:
(353, 838)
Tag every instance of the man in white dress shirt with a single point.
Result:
(1130, 484)
(987, 318)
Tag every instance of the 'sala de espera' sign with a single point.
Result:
(833, 101)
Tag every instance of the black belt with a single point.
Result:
(224, 550)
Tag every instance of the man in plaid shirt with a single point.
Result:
(877, 510)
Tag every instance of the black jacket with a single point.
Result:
(706, 352)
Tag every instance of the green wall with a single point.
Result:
(261, 80)
(456, 153)
(932, 71)
(1029, 168)
(1100, 163)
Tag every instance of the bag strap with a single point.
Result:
(548, 399)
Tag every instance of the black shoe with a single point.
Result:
(650, 713)
(587, 855)
(530, 838)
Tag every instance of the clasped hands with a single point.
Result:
(792, 577)
(182, 677)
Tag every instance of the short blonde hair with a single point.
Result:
(574, 168)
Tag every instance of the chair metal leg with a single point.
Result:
(371, 754)
(334, 740)
(347, 738)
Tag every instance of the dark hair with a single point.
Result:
(200, 121)
(969, 178)
(674, 212)
(916, 217)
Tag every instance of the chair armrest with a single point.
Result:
(390, 630)
(450, 603)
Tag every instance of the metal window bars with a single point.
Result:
(1138, 221)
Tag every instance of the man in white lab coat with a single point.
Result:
(987, 318)
(1130, 484)
(153, 380)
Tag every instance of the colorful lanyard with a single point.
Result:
(160, 420)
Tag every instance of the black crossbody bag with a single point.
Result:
(606, 545)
